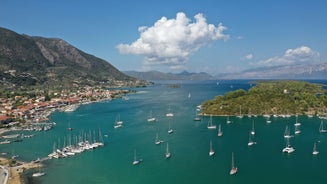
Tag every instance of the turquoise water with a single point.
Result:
(189, 144)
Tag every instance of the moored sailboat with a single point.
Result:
(136, 161)
(251, 140)
(157, 141)
(168, 154)
(169, 113)
(288, 148)
(315, 151)
(197, 117)
(211, 151)
(321, 127)
(233, 168)
(170, 130)
(210, 125)
(220, 133)
(151, 118)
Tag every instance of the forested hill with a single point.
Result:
(271, 97)
(27, 61)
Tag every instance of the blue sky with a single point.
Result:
(212, 36)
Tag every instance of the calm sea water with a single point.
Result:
(189, 144)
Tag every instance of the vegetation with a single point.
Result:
(271, 97)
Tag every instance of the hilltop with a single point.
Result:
(37, 62)
(270, 97)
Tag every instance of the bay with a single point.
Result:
(189, 144)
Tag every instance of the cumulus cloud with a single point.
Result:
(247, 57)
(172, 41)
(291, 56)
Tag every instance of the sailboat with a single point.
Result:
(170, 130)
(240, 115)
(288, 148)
(233, 168)
(169, 114)
(189, 95)
(39, 173)
(315, 151)
(287, 133)
(136, 161)
(296, 121)
(228, 121)
(151, 118)
(220, 133)
(158, 141)
(197, 117)
(69, 127)
(118, 122)
(168, 154)
(297, 129)
(251, 141)
(253, 131)
(210, 125)
(211, 151)
(321, 128)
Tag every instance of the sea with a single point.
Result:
(189, 144)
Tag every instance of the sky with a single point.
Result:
(213, 36)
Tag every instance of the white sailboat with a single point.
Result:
(297, 129)
(220, 133)
(321, 128)
(210, 125)
(170, 130)
(158, 141)
(197, 117)
(136, 161)
(228, 121)
(118, 122)
(288, 148)
(151, 118)
(252, 130)
(251, 140)
(169, 113)
(168, 154)
(38, 174)
(315, 151)
(240, 115)
(189, 95)
(296, 121)
(233, 168)
(211, 151)
(287, 133)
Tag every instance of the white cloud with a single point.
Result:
(247, 57)
(172, 41)
(301, 54)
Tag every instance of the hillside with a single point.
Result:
(155, 75)
(272, 97)
(28, 61)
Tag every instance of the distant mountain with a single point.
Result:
(298, 71)
(36, 61)
(155, 75)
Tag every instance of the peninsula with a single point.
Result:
(271, 98)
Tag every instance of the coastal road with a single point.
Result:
(3, 175)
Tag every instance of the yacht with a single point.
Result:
(220, 133)
(151, 118)
(321, 128)
(288, 148)
(211, 152)
(210, 125)
(251, 141)
(158, 141)
(253, 131)
(170, 130)
(169, 114)
(168, 154)
(233, 168)
(136, 161)
(315, 151)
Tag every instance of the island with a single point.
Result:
(270, 98)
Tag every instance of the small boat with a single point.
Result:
(228, 121)
(287, 133)
(158, 141)
(240, 115)
(251, 141)
(118, 122)
(321, 128)
(169, 114)
(38, 174)
(233, 168)
(220, 133)
(170, 130)
(136, 161)
(297, 129)
(189, 95)
(288, 148)
(69, 127)
(197, 117)
(168, 154)
(315, 151)
(210, 125)
(252, 130)
(151, 118)
(296, 121)
(211, 151)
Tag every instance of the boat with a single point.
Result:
(189, 95)
(136, 161)
(118, 122)
(251, 140)
(169, 114)
(220, 133)
(170, 130)
(38, 174)
(297, 129)
(210, 125)
(211, 151)
(5, 142)
(168, 154)
(252, 130)
(240, 115)
(296, 121)
(158, 141)
(287, 133)
(233, 168)
(288, 148)
(228, 121)
(197, 117)
(315, 151)
(69, 128)
(151, 118)
(321, 128)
